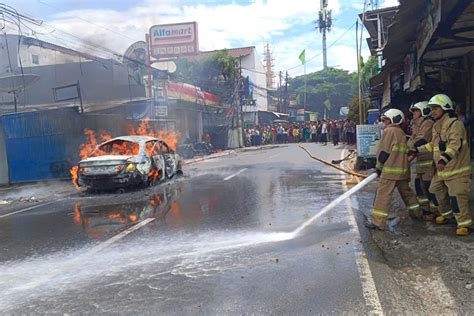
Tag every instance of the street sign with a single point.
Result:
(174, 40)
(368, 138)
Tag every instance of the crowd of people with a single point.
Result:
(322, 131)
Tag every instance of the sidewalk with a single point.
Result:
(425, 253)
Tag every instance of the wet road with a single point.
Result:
(217, 241)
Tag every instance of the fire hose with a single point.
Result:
(361, 175)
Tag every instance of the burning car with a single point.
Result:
(128, 161)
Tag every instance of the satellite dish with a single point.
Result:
(17, 82)
(168, 66)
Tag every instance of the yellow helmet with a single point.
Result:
(443, 101)
(423, 107)
(395, 116)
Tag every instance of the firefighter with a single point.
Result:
(393, 170)
(422, 125)
(451, 183)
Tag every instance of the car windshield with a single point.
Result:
(117, 148)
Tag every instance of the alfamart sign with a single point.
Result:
(174, 40)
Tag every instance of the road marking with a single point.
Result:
(235, 174)
(28, 209)
(121, 235)
(369, 291)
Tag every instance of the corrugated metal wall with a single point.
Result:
(44, 145)
(39, 145)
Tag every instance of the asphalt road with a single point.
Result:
(217, 241)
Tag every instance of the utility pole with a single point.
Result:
(324, 25)
(280, 105)
(359, 55)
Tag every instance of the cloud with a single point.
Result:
(390, 3)
(288, 28)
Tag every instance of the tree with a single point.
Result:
(216, 73)
(328, 89)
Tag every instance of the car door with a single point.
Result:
(154, 152)
(169, 158)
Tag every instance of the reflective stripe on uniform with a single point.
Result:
(379, 213)
(424, 163)
(451, 152)
(394, 170)
(432, 205)
(436, 148)
(379, 165)
(423, 200)
(446, 213)
(400, 148)
(465, 223)
(446, 174)
(426, 147)
(413, 206)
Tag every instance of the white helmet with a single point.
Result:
(423, 107)
(443, 101)
(395, 116)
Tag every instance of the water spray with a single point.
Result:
(331, 205)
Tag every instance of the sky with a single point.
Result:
(102, 27)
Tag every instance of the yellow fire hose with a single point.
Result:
(333, 165)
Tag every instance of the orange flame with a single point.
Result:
(75, 175)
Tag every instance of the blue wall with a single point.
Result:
(41, 145)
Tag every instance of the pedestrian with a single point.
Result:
(451, 183)
(393, 170)
(324, 133)
(335, 133)
(313, 132)
(422, 126)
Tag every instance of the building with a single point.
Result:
(101, 82)
(429, 50)
(253, 69)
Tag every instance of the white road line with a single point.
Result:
(28, 209)
(369, 291)
(235, 174)
(121, 235)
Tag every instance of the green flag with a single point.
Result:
(302, 56)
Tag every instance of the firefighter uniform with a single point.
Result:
(422, 130)
(394, 171)
(452, 185)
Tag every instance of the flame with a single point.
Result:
(133, 218)
(143, 129)
(75, 176)
(154, 174)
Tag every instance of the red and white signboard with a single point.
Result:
(174, 40)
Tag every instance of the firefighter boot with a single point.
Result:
(378, 223)
(462, 231)
(441, 220)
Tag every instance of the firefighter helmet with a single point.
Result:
(423, 107)
(395, 116)
(443, 101)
